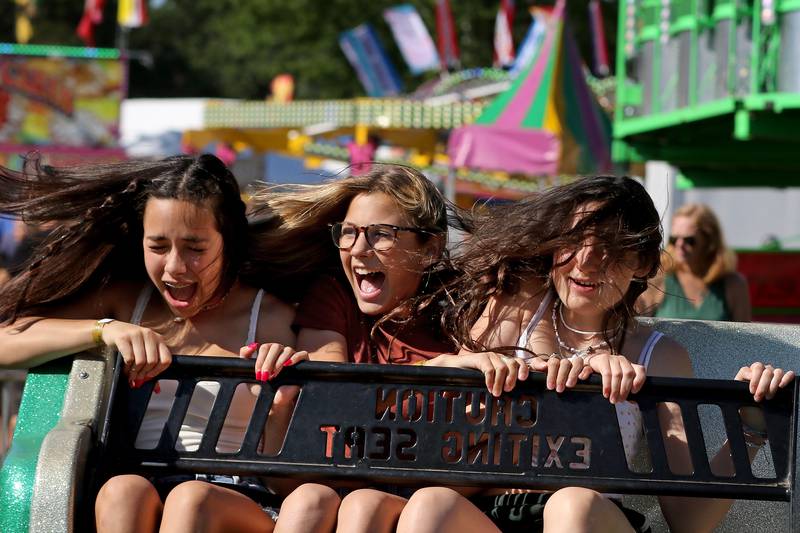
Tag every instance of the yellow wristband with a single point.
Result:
(420, 363)
(97, 331)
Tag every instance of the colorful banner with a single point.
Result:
(503, 39)
(368, 58)
(60, 101)
(446, 40)
(533, 41)
(412, 38)
(92, 16)
(601, 67)
(132, 13)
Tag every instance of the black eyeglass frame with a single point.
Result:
(690, 240)
(364, 229)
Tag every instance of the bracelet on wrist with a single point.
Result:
(420, 363)
(97, 331)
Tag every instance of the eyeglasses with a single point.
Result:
(380, 237)
(689, 240)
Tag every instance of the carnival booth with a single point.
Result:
(60, 101)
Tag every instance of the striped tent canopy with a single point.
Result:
(547, 123)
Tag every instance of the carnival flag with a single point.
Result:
(527, 51)
(366, 55)
(132, 13)
(92, 16)
(412, 37)
(601, 67)
(23, 29)
(503, 40)
(446, 36)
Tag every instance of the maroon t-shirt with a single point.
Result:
(330, 305)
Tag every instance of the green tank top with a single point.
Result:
(676, 305)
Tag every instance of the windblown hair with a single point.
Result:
(519, 241)
(717, 260)
(97, 212)
(298, 216)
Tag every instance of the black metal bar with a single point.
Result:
(183, 395)
(255, 428)
(401, 424)
(219, 413)
(695, 440)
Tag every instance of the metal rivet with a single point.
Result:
(83, 375)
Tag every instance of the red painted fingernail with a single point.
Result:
(137, 383)
(266, 375)
(288, 363)
(258, 375)
(253, 345)
(157, 389)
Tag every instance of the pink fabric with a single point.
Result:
(531, 152)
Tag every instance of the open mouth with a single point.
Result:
(180, 294)
(369, 282)
(585, 284)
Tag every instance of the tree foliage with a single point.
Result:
(233, 48)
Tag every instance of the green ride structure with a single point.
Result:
(711, 87)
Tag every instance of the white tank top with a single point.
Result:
(205, 393)
(628, 414)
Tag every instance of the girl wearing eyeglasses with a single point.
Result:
(700, 280)
(371, 247)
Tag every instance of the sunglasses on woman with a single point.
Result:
(689, 240)
(380, 237)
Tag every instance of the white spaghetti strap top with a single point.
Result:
(628, 414)
(196, 420)
(141, 304)
(255, 311)
(252, 328)
(537, 317)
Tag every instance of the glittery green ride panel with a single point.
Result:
(39, 412)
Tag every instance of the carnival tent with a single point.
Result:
(547, 123)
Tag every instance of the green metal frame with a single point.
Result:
(747, 136)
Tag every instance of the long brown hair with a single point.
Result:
(717, 260)
(299, 240)
(515, 242)
(96, 212)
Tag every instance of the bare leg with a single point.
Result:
(579, 510)
(200, 507)
(439, 509)
(369, 510)
(126, 504)
(309, 508)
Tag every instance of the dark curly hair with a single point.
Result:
(518, 241)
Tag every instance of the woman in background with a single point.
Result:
(700, 280)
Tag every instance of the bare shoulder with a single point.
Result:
(275, 321)
(277, 309)
(670, 359)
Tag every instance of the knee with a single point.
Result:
(121, 493)
(311, 498)
(431, 502)
(430, 498)
(362, 505)
(191, 497)
(126, 491)
(574, 502)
